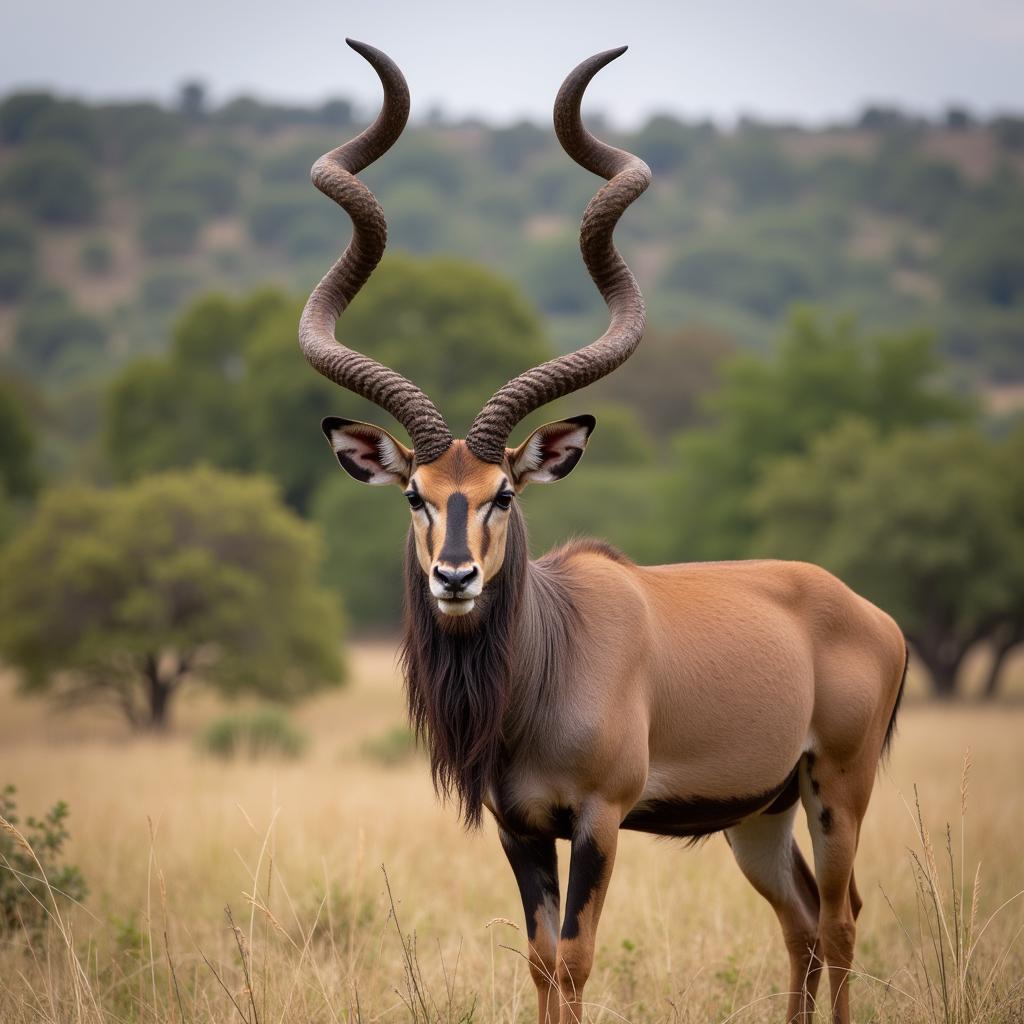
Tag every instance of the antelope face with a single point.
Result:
(460, 505)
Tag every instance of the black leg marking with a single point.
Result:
(455, 550)
(586, 870)
(535, 865)
(826, 820)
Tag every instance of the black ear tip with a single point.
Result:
(329, 423)
(586, 420)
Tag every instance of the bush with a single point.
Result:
(170, 226)
(54, 182)
(68, 122)
(32, 877)
(50, 331)
(166, 289)
(391, 748)
(273, 212)
(17, 259)
(19, 112)
(266, 733)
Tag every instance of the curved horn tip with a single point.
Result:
(365, 50)
(605, 57)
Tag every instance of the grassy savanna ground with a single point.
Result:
(167, 839)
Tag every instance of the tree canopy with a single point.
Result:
(235, 391)
(125, 595)
(925, 524)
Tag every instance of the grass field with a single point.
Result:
(167, 839)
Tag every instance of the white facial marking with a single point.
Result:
(455, 608)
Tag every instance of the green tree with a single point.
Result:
(235, 391)
(19, 112)
(70, 123)
(819, 374)
(666, 380)
(170, 225)
(19, 476)
(51, 334)
(17, 258)
(126, 595)
(54, 182)
(920, 523)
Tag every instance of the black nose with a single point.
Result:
(454, 580)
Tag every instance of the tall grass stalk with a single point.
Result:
(954, 982)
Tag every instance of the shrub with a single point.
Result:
(33, 879)
(54, 182)
(167, 288)
(17, 259)
(390, 748)
(265, 733)
(170, 225)
(51, 332)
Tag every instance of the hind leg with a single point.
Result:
(768, 855)
(835, 796)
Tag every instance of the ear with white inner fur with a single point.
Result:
(551, 451)
(368, 453)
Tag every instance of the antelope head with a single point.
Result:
(462, 493)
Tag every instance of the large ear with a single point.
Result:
(551, 451)
(368, 453)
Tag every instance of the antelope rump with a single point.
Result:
(580, 694)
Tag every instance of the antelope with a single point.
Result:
(581, 694)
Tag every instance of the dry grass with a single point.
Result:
(167, 840)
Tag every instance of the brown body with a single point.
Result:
(582, 694)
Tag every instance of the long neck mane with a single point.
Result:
(475, 683)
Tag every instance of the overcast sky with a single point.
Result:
(804, 59)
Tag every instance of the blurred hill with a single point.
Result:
(113, 216)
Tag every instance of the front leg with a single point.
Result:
(535, 865)
(594, 840)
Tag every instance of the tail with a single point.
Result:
(891, 728)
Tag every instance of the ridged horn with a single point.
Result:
(628, 177)
(334, 175)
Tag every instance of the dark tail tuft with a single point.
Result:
(891, 730)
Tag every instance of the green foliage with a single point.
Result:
(206, 178)
(34, 882)
(235, 391)
(170, 225)
(364, 530)
(555, 278)
(255, 735)
(168, 287)
(53, 182)
(923, 524)
(819, 374)
(19, 476)
(18, 113)
(272, 212)
(623, 440)
(986, 263)
(762, 281)
(391, 748)
(667, 144)
(202, 576)
(50, 334)
(619, 504)
(68, 123)
(17, 258)
(666, 380)
(129, 129)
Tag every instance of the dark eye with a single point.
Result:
(415, 501)
(504, 500)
